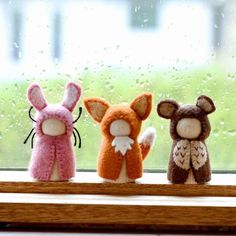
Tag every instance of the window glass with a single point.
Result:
(115, 50)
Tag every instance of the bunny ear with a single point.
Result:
(71, 97)
(36, 97)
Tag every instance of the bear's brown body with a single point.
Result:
(189, 128)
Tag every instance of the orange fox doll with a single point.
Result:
(121, 154)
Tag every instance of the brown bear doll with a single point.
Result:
(189, 127)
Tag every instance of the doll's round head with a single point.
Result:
(120, 120)
(188, 121)
(54, 120)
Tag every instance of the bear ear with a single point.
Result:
(71, 96)
(96, 107)
(36, 97)
(167, 108)
(142, 105)
(206, 104)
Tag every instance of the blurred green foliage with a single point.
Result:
(122, 86)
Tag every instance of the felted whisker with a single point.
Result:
(77, 132)
(30, 116)
(28, 136)
(32, 141)
(80, 112)
(75, 142)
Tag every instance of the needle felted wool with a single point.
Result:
(189, 128)
(53, 157)
(121, 155)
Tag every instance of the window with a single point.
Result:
(143, 14)
(115, 50)
(188, 51)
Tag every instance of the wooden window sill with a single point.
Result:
(117, 210)
(151, 202)
(222, 185)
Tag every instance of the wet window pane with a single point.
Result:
(115, 50)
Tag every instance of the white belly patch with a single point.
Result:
(190, 151)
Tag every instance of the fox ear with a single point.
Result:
(142, 105)
(71, 96)
(36, 97)
(206, 104)
(167, 108)
(96, 107)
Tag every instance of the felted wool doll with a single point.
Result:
(189, 128)
(52, 156)
(121, 154)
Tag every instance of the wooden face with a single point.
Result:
(53, 127)
(120, 128)
(189, 128)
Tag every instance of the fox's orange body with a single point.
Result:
(110, 161)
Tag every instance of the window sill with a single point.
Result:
(222, 185)
(151, 202)
(117, 210)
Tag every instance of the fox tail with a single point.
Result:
(147, 140)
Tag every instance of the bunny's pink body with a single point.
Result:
(53, 151)
(50, 151)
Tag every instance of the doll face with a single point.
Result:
(53, 127)
(120, 128)
(189, 128)
(187, 121)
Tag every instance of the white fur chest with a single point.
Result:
(122, 144)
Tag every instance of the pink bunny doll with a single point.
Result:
(52, 157)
